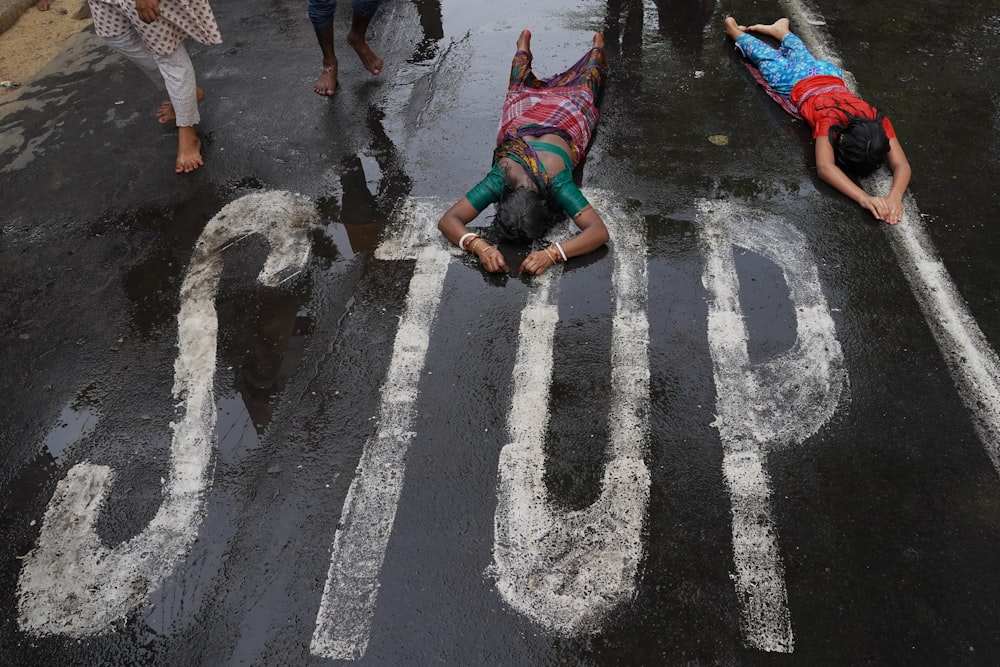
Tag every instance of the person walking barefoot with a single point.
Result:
(321, 14)
(138, 30)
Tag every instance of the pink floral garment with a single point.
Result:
(178, 19)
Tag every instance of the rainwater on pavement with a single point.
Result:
(883, 518)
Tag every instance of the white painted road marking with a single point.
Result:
(766, 406)
(74, 585)
(71, 583)
(343, 624)
(567, 569)
(973, 363)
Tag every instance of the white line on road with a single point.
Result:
(567, 569)
(343, 624)
(974, 365)
(72, 583)
(766, 406)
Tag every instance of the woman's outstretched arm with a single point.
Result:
(592, 236)
(888, 209)
(453, 226)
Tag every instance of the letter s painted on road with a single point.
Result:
(71, 583)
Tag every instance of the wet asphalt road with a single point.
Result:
(885, 516)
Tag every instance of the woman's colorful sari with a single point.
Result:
(564, 104)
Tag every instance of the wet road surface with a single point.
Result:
(758, 428)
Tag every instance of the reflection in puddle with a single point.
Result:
(272, 346)
(76, 421)
(768, 311)
(371, 171)
(261, 330)
(234, 429)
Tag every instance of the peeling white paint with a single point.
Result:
(72, 583)
(973, 363)
(343, 624)
(567, 569)
(766, 406)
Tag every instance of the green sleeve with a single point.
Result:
(486, 191)
(566, 194)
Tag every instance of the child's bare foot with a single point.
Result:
(326, 84)
(188, 150)
(598, 40)
(369, 58)
(166, 113)
(778, 29)
(734, 29)
(524, 41)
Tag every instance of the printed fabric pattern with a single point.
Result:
(563, 104)
(178, 19)
(783, 67)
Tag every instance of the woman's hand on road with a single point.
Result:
(536, 263)
(491, 258)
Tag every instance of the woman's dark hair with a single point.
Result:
(524, 215)
(860, 145)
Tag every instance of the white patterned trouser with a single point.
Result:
(173, 72)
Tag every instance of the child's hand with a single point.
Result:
(895, 210)
(884, 209)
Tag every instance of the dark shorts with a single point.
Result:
(321, 11)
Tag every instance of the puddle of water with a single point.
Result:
(767, 309)
(76, 421)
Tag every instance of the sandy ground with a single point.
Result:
(36, 38)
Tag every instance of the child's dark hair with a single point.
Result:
(524, 215)
(861, 144)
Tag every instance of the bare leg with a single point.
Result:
(188, 150)
(178, 77)
(166, 114)
(598, 40)
(734, 29)
(778, 29)
(524, 41)
(326, 83)
(356, 38)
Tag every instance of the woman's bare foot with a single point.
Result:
(166, 113)
(524, 41)
(734, 29)
(369, 58)
(188, 150)
(326, 84)
(598, 40)
(778, 29)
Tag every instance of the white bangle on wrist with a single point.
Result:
(461, 241)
